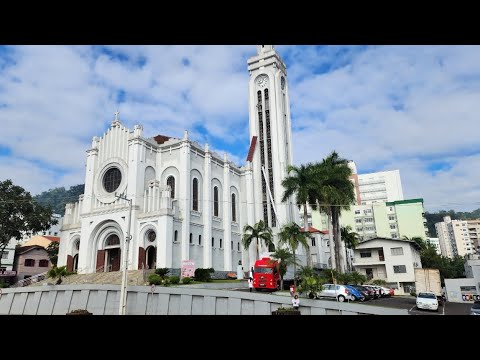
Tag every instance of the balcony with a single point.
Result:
(316, 265)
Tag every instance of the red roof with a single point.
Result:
(312, 230)
(160, 139)
(52, 238)
(252, 148)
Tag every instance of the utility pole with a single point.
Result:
(123, 290)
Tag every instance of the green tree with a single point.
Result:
(20, 214)
(418, 240)
(292, 235)
(259, 232)
(284, 258)
(351, 240)
(335, 193)
(58, 272)
(302, 183)
(57, 198)
(52, 250)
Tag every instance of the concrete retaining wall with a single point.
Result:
(104, 300)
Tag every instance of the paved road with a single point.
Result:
(408, 302)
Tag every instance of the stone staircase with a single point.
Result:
(134, 277)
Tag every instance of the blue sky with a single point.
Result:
(412, 108)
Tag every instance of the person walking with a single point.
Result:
(250, 283)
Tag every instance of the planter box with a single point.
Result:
(286, 312)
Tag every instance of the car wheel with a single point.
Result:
(341, 298)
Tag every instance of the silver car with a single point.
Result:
(475, 310)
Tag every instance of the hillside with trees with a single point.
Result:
(58, 197)
(433, 218)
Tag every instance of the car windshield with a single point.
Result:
(427, 296)
(261, 270)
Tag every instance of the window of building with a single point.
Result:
(393, 226)
(195, 195)
(175, 236)
(55, 233)
(220, 243)
(358, 220)
(199, 239)
(357, 212)
(391, 217)
(4, 254)
(397, 251)
(399, 269)
(112, 179)
(367, 211)
(171, 183)
(213, 242)
(231, 245)
(365, 254)
(394, 235)
(313, 241)
(369, 228)
(112, 240)
(391, 208)
(215, 201)
(368, 219)
(238, 246)
(29, 262)
(151, 235)
(191, 238)
(43, 263)
(234, 208)
(359, 229)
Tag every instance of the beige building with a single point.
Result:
(457, 237)
(392, 260)
(443, 239)
(474, 233)
(30, 261)
(379, 187)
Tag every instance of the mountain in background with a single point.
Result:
(58, 197)
(433, 218)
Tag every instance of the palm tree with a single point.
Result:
(351, 240)
(418, 240)
(335, 193)
(259, 231)
(302, 182)
(292, 235)
(59, 272)
(284, 258)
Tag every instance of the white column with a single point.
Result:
(164, 243)
(207, 210)
(227, 216)
(185, 196)
(92, 163)
(251, 197)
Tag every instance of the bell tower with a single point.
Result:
(270, 133)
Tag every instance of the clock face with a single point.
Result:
(262, 80)
(282, 82)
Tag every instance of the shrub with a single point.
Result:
(79, 312)
(413, 293)
(186, 280)
(379, 282)
(166, 282)
(3, 284)
(174, 279)
(203, 275)
(155, 279)
(162, 272)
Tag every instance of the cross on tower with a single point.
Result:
(116, 115)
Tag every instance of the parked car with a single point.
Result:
(427, 300)
(376, 292)
(475, 310)
(367, 293)
(340, 292)
(386, 292)
(357, 294)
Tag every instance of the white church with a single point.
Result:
(187, 202)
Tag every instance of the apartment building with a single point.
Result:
(380, 187)
(435, 242)
(443, 239)
(456, 236)
(474, 233)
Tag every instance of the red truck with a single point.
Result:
(266, 275)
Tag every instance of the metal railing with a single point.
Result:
(319, 265)
(30, 280)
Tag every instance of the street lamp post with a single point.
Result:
(123, 290)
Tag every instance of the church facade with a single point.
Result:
(181, 201)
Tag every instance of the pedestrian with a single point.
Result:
(250, 283)
(296, 302)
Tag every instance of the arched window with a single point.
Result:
(171, 183)
(77, 245)
(238, 246)
(215, 201)
(149, 175)
(213, 242)
(220, 243)
(195, 194)
(259, 96)
(199, 239)
(191, 238)
(175, 236)
(231, 245)
(234, 208)
(112, 240)
(266, 95)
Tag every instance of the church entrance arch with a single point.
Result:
(112, 253)
(151, 255)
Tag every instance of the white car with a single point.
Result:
(427, 300)
(336, 291)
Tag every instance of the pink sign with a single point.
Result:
(188, 268)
